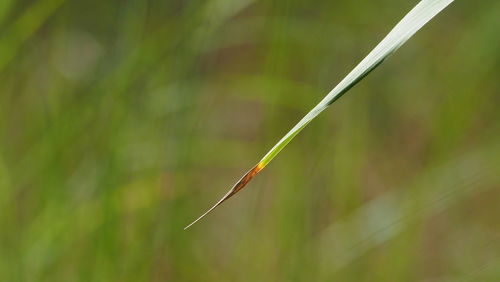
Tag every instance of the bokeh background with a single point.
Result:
(122, 121)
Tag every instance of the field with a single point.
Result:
(122, 121)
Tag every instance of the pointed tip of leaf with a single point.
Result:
(235, 189)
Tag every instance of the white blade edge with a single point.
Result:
(422, 13)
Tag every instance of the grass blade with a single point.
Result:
(422, 13)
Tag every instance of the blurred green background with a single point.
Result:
(122, 121)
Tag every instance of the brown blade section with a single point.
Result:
(237, 187)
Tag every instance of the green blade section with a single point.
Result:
(404, 30)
